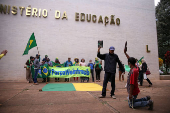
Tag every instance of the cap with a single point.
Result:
(56, 58)
(37, 55)
(43, 60)
(31, 57)
(96, 58)
(112, 48)
(46, 55)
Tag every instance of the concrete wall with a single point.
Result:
(63, 38)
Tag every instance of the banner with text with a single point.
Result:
(65, 72)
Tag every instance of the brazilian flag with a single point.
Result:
(31, 43)
(45, 71)
(57, 64)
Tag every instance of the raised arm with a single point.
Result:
(101, 56)
(125, 50)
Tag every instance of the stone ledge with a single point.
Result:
(164, 77)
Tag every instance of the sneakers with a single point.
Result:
(101, 96)
(150, 105)
(113, 96)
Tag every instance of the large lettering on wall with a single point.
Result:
(35, 12)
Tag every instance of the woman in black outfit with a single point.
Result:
(144, 68)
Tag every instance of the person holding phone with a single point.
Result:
(111, 60)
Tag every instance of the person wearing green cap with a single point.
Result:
(97, 69)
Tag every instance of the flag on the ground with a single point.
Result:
(31, 43)
(140, 61)
(72, 87)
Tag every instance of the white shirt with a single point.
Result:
(82, 64)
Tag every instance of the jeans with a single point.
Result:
(142, 102)
(108, 76)
(35, 76)
(92, 74)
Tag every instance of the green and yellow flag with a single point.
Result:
(45, 71)
(140, 61)
(31, 43)
(57, 65)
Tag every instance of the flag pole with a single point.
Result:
(37, 49)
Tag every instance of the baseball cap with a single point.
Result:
(46, 55)
(37, 55)
(112, 48)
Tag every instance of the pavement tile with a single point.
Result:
(70, 108)
(26, 98)
(7, 94)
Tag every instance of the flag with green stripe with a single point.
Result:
(31, 43)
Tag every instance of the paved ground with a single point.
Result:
(17, 97)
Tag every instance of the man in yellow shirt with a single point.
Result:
(3, 53)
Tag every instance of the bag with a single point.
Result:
(148, 72)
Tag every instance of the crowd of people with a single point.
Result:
(135, 76)
(96, 66)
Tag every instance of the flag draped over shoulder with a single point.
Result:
(57, 64)
(31, 43)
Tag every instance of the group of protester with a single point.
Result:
(97, 66)
(136, 72)
(111, 60)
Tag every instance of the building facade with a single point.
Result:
(72, 28)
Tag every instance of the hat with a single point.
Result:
(112, 48)
(56, 58)
(43, 60)
(46, 55)
(31, 57)
(37, 55)
(75, 58)
(96, 58)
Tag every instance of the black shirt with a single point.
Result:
(110, 63)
